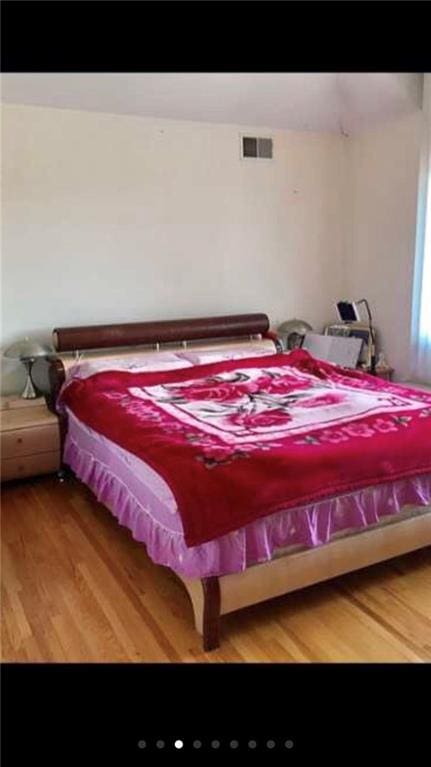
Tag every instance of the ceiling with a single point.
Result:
(340, 102)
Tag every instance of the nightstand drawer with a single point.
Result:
(385, 374)
(37, 439)
(29, 465)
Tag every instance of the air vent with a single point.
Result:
(256, 148)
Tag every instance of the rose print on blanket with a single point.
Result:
(324, 399)
(272, 383)
(359, 430)
(384, 425)
(270, 417)
(212, 390)
(238, 406)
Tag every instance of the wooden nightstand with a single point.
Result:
(385, 373)
(30, 438)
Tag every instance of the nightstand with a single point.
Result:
(30, 438)
(385, 373)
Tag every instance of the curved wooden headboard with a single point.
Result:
(166, 331)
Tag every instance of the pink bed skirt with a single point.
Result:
(311, 525)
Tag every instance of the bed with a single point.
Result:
(247, 471)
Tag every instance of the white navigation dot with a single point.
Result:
(178, 744)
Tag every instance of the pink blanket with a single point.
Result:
(239, 440)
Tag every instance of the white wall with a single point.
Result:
(382, 175)
(110, 218)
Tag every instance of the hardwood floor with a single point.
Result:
(77, 587)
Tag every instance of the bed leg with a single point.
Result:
(63, 471)
(211, 613)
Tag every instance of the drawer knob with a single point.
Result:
(19, 440)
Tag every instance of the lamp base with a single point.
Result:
(29, 390)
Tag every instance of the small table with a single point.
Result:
(385, 373)
(30, 438)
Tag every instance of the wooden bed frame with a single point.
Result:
(215, 596)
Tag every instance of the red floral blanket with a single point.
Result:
(241, 439)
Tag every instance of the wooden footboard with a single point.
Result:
(213, 597)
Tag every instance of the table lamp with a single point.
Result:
(292, 333)
(27, 352)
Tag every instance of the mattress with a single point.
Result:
(142, 501)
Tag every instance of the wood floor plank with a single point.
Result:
(73, 642)
(9, 568)
(384, 605)
(119, 587)
(77, 587)
(16, 624)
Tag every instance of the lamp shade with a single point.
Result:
(291, 332)
(27, 350)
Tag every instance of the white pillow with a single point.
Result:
(221, 355)
(135, 363)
